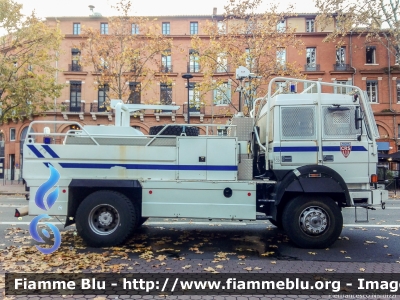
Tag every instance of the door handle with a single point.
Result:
(286, 159)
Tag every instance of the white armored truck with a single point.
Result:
(297, 161)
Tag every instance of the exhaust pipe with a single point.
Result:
(21, 211)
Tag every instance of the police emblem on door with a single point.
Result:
(345, 148)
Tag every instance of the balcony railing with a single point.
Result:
(69, 107)
(75, 68)
(94, 107)
(166, 69)
(223, 69)
(311, 67)
(193, 68)
(342, 67)
(194, 109)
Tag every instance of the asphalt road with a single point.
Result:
(375, 241)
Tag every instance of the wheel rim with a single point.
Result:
(104, 219)
(314, 220)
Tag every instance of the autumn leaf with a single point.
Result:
(248, 269)
(330, 270)
(268, 253)
(312, 253)
(362, 269)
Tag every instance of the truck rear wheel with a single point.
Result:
(105, 218)
(312, 222)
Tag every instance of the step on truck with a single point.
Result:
(297, 160)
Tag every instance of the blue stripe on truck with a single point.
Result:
(147, 167)
(315, 149)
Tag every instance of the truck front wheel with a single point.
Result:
(312, 222)
(105, 218)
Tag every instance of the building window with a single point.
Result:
(370, 55)
(166, 94)
(194, 98)
(222, 63)
(312, 89)
(250, 60)
(281, 57)
(398, 90)
(251, 26)
(342, 90)
(166, 61)
(75, 88)
(76, 54)
(194, 66)
(222, 94)
(221, 27)
(77, 28)
(372, 90)
(281, 26)
(311, 57)
(102, 97)
(12, 134)
(135, 28)
(103, 28)
(194, 28)
(135, 93)
(310, 27)
(165, 28)
(340, 56)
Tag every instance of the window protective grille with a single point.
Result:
(298, 123)
(339, 123)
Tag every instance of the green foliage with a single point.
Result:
(28, 51)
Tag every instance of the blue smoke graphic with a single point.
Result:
(45, 187)
(51, 199)
(33, 230)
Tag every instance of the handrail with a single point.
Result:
(55, 134)
(94, 136)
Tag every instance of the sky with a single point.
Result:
(56, 8)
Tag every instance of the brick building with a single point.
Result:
(358, 63)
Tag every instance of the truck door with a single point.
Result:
(298, 133)
(342, 148)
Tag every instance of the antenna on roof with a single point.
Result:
(94, 14)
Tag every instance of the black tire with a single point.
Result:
(175, 130)
(312, 221)
(276, 223)
(119, 217)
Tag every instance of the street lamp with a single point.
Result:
(188, 76)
